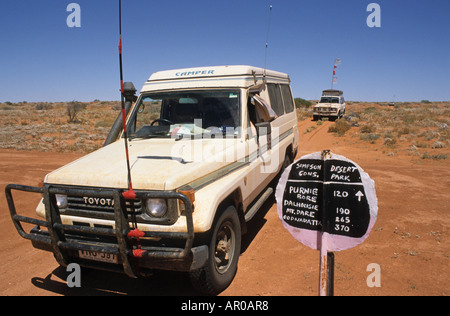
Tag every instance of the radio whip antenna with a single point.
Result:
(267, 40)
(128, 195)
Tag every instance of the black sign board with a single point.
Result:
(326, 196)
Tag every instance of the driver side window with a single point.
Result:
(148, 111)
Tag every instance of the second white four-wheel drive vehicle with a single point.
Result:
(331, 105)
(204, 146)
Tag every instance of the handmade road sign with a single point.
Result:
(327, 203)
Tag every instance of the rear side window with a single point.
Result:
(287, 98)
(276, 101)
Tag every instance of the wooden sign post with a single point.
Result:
(328, 203)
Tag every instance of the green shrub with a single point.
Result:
(299, 103)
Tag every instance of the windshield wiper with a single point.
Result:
(131, 137)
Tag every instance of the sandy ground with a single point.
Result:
(409, 240)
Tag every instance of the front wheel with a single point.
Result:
(224, 250)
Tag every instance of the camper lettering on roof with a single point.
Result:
(194, 73)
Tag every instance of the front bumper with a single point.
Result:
(65, 241)
(325, 111)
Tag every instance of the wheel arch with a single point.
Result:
(234, 199)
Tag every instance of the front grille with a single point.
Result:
(96, 204)
(100, 208)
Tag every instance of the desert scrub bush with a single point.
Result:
(340, 127)
(405, 130)
(6, 107)
(438, 144)
(444, 136)
(413, 151)
(430, 134)
(420, 144)
(303, 113)
(43, 106)
(47, 139)
(390, 142)
(368, 128)
(73, 108)
(370, 109)
(352, 118)
(310, 129)
(104, 123)
(371, 138)
(435, 157)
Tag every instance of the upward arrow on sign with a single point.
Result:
(359, 194)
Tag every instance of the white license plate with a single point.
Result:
(98, 256)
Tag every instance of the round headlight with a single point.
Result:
(61, 200)
(156, 207)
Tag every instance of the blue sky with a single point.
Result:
(42, 59)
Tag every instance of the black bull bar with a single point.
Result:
(59, 240)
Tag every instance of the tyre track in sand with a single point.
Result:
(314, 136)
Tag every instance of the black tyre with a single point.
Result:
(224, 251)
(287, 162)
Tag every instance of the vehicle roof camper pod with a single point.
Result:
(332, 92)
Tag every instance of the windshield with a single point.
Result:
(329, 100)
(186, 113)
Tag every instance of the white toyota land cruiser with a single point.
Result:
(204, 145)
(331, 105)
